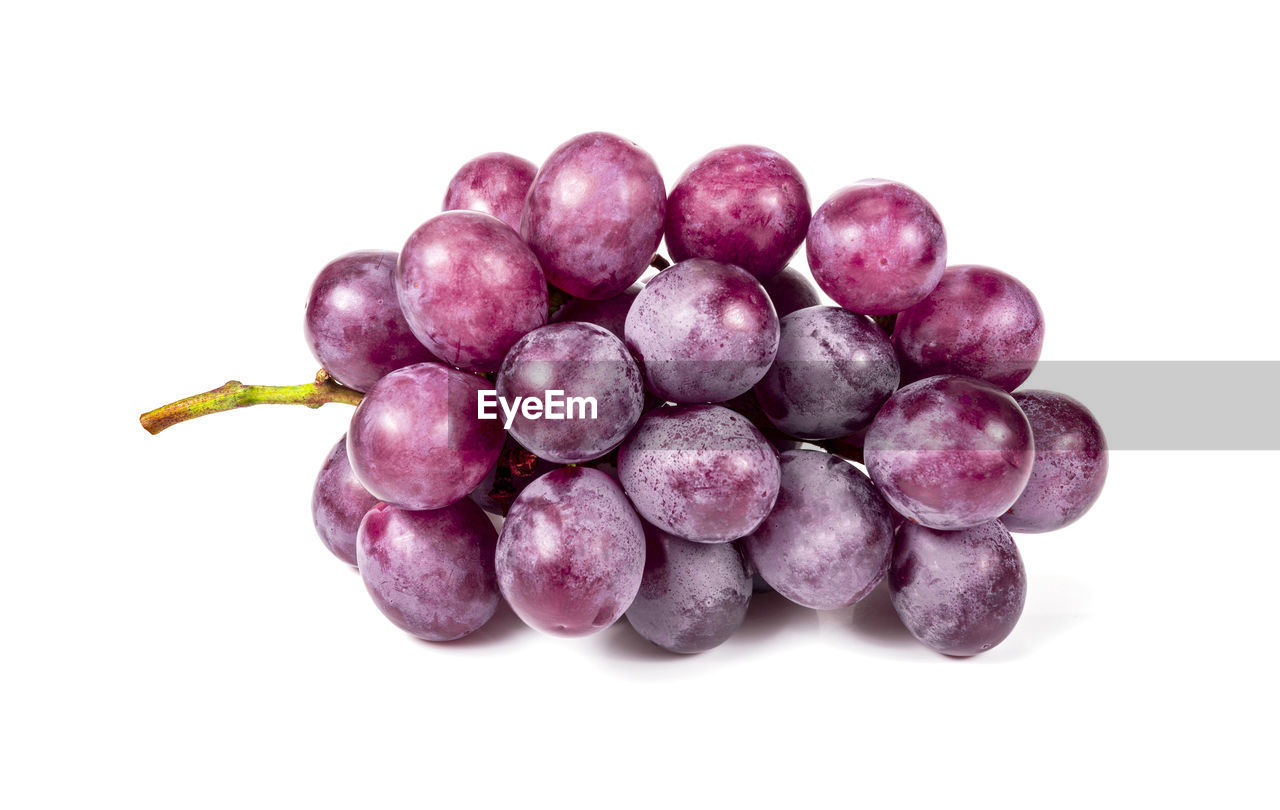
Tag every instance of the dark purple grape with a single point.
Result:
(416, 441)
(594, 215)
(961, 592)
(742, 205)
(833, 371)
(701, 472)
(703, 331)
(470, 288)
(583, 362)
(611, 313)
(827, 542)
(430, 572)
(790, 290)
(876, 247)
(354, 325)
(1070, 466)
(516, 469)
(978, 322)
(495, 183)
(338, 502)
(693, 595)
(950, 452)
(571, 552)
(749, 406)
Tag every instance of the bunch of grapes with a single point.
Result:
(714, 417)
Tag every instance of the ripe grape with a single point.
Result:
(415, 440)
(495, 183)
(703, 332)
(1070, 466)
(594, 215)
(742, 205)
(470, 288)
(876, 247)
(571, 552)
(828, 540)
(749, 406)
(430, 572)
(354, 325)
(338, 502)
(701, 472)
(961, 592)
(789, 291)
(611, 313)
(950, 452)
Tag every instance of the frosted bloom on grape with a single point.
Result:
(338, 503)
(1070, 466)
(495, 184)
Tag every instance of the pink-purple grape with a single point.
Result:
(594, 215)
(338, 503)
(354, 325)
(978, 322)
(611, 313)
(571, 552)
(700, 472)
(693, 595)
(833, 371)
(1070, 467)
(703, 332)
(415, 439)
(828, 540)
(960, 592)
(876, 247)
(582, 361)
(470, 288)
(430, 572)
(495, 183)
(742, 205)
(749, 406)
(950, 452)
(790, 290)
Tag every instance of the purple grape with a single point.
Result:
(571, 552)
(416, 441)
(1070, 466)
(828, 540)
(703, 331)
(833, 372)
(693, 595)
(790, 290)
(950, 452)
(611, 313)
(978, 322)
(495, 183)
(470, 288)
(582, 361)
(594, 215)
(959, 593)
(338, 503)
(430, 572)
(700, 472)
(876, 247)
(354, 325)
(516, 469)
(749, 406)
(742, 205)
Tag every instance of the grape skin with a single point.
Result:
(790, 290)
(611, 313)
(495, 183)
(749, 406)
(338, 502)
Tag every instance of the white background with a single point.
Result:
(175, 635)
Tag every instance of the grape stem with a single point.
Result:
(235, 394)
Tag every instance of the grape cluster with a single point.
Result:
(729, 408)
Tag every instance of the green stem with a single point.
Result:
(235, 394)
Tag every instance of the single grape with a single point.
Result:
(516, 469)
(582, 361)
(978, 322)
(828, 540)
(1070, 466)
(703, 331)
(430, 572)
(950, 452)
(790, 290)
(742, 205)
(693, 595)
(416, 441)
(749, 406)
(338, 502)
(495, 183)
(611, 313)
(571, 552)
(701, 472)
(961, 592)
(876, 247)
(594, 215)
(470, 288)
(833, 371)
(354, 325)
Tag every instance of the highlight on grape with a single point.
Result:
(666, 441)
